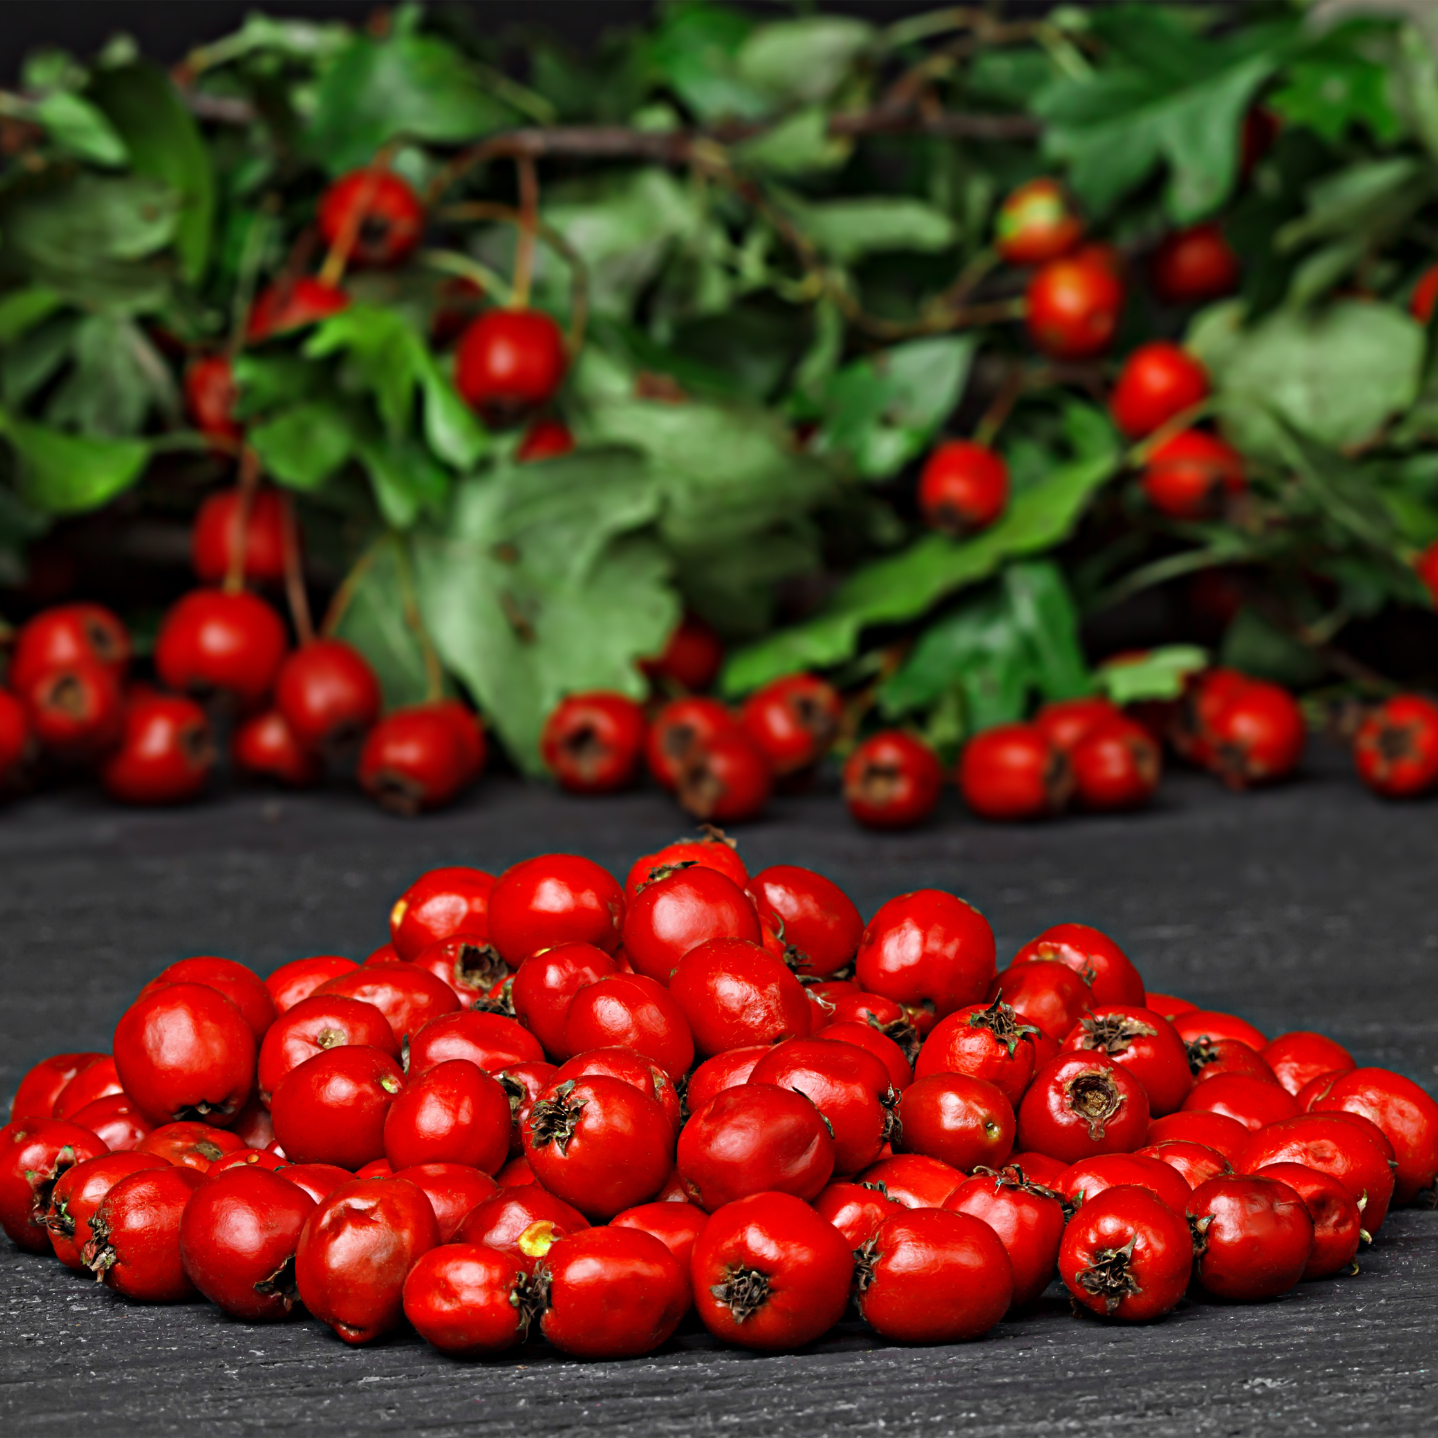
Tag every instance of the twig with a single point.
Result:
(343, 597)
(528, 177)
(338, 256)
(295, 593)
(1001, 405)
(249, 484)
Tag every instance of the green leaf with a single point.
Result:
(386, 353)
(1417, 78)
(695, 52)
(306, 41)
(1337, 375)
(410, 85)
(733, 585)
(1254, 646)
(76, 125)
(1336, 86)
(22, 310)
(69, 474)
(304, 445)
(537, 587)
(118, 379)
(164, 144)
(450, 427)
(272, 381)
(1156, 674)
(803, 61)
(905, 586)
(374, 622)
(883, 410)
(404, 478)
(799, 145)
(849, 229)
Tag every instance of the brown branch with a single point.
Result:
(295, 593)
(248, 486)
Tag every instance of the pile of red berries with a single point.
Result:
(556, 1100)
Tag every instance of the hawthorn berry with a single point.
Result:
(290, 304)
(691, 658)
(592, 743)
(34, 1153)
(1126, 1255)
(676, 1225)
(869, 1036)
(1027, 1218)
(1049, 996)
(216, 536)
(1194, 265)
(319, 1180)
(328, 694)
(726, 780)
(1036, 223)
(1012, 771)
(792, 721)
(914, 1180)
(509, 362)
(297, 980)
(452, 1113)
(680, 909)
(545, 438)
(77, 1193)
(134, 1244)
(1337, 1218)
(376, 212)
(1217, 1131)
(441, 904)
(769, 1273)
(1300, 1056)
(97, 1081)
(1190, 474)
(40, 1088)
(1144, 1043)
(1066, 721)
(927, 948)
(680, 731)
(1093, 956)
(1205, 1024)
(821, 925)
(332, 1107)
(413, 760)
(265, 747)
(1117, 765)
(1090, 1177)
(1195, 1161)
(1158, 382)
(1396, 748)
(963, 487)
(314, 1025)
(1209, 1058)
(356, 1250)
(190, 1145)
(214, 642)
(964, 1122)
(1258, 736)
(516, 1220)
(453, 1190)
(471, 968)
(725, 1070)
(1080, 1105)
(1407, 1115)
(855, 1209)
(115, 1121)
(1074, 304)
(988, 1042)
(493, 1041)
(469, 1300)
(1253, 1102)
(1252, 1236)
(75, 711)
(408, 996)
(210, 397)
(892, 780)
(67, 634)
(165, 752)
(734, 995)
(554, 899)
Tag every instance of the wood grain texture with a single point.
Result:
(1308, 907)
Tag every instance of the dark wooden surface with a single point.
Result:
(1310, 906)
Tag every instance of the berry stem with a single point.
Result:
(249, 484)
(528, 176)
(1001, 406)
(332, 271)
(349, 585)
(295, 593)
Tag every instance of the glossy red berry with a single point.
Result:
(297, 980)
(1090, 1177)
(1337, 1219)
(442, 903)
(1204, 1024)
(1116, 766)
(964, 1122)
(509, 362)
(1196, 1162)
(165, 753)
(613, 1293)
(691, 659)
(40, 1088)
(1252, 1236)
(356, 1250)
(1253, 1102)
(492, 1041)
(190, 1145)
(319, 1180)
(314, 1025)
(452, 1113)
(1083, 1104)
(1074, 304)
(1093, 956)
(1190, 474)
(210, 396)
(822, 928)
(544, 439)
(856, 1209)
(1407, 1115)
(242, 986)
(134, 1244)
(1299, 1057)
(376, 212)
(1050, 996)
(892, 781)
(726, 1070)
(1158, 382)
(264, 746)
(933, 1276)
(77, 1193)
(34, 1153)
(216, 537)
(469, 1300)
(793, 721)
(554, 899)
(727, 779)
(1027, 1218)
(211, 642)
(1212, 1057)
(408, 996)
(714, 851)
(471, 969)
(593, 743)
(599, 1144)
(1144, 1043)
(988, 1042)
(1396, 748)
(75, 711)
(927, 948)
(520, 1220)
(332, 1107)
(545, 985)
(871, 1037)
(735, 995)
(1012, 771)
(413, 761)
(771, 1274)
(115, 1121)
(618, 1063)
(1036, 223)
(751, 1139)
(68, 634)
(678, 911)
(1217, 1131)
(914, 1180)
(1066, 721)
(1127, 1255)
(99, 1080)
(328, 694)
(963, 487)
(1194, 265)
(676, 1225)
(1258, 737)
(290, 304)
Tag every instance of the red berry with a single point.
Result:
(735, 995)
(1300, 1056)
(1425, 295)
(855, 1209)
(1036, 223)
(983, 1042)
(212, 641)
(680, 730)
(1158, 381)
(442, 903)
(297, 980)
(1253, 1102)
(319, 1180)
(519, 1221)
(99, 1080)
(691, 659)
(453, 1190)
(726, 780)
(1195, 1025)
(871, 1037)
(613, 1293)
(914, 1180)
(822, 928)
(1090, 1177)
(210, 395)
(770, 1273)
(1066, 721)
(630, 1011)
(1074, 304)
(714, 851)
(265, 747)
(593, 743)
(134, 1244)
(1027, 1218)
(545, 439)
(793, 721)
(328, 694)
(247, 1160)
(75, 711)
(509, 362)
(1194, 264)
(1144, 1043)
(470, 1300)
(1190, 473)
(545, 984)
(238, 1236)
(452, 1113)
(379, 209)
(1083, 1104)
(1093, 956)
(357, 1249)
(290, 304)
(892, 781)
(470, 968)
(931, 1276)
(554, 899)
(77, 1194)
(492, 1041)
(963, 487)
(1012, 771)
(617, 1063)
(1407, 1115)
(165, 754)
(1252, 1236)
(1195, 1161)
(34, 1153)
(599, 1144)
(1116, 766)
(332, 1107)
(190, 1145)
(1213, 1130)
(115, 1121)
(216, 536)
(964, 1122)
(1258, 736)
(928, 948)
(676, 1225)
(1212, 1057)
(726, 1070)
(315, 1024)
(1396, 749)
(677, 912)
(1337, 1218)
(408, 996)
(413, 761)
(65, 635)
(40, 1089)
(1126, 1255)
(1048, 995)
(243, 987)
